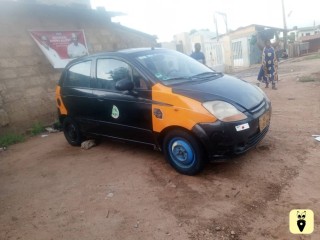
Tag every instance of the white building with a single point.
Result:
(303, 32)
(213, 51)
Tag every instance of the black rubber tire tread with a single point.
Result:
(67, 123)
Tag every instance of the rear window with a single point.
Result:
(78, 75)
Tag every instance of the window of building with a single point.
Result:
(79, 75)
(237, 50)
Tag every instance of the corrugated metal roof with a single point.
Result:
(311, 37)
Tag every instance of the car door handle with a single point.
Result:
(100, 99)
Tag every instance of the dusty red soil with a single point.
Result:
(50, 190)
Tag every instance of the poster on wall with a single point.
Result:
(60, 47)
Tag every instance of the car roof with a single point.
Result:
(130, 52)
(123, 52)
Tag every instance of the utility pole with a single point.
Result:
(216, 25)
(224, 15)
(284, 26)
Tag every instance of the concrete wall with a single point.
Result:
(314, 45)
(27, 79)
(184, 39)
(214, 53)
(225, 41)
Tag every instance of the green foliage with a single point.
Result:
(36, 129)
(57, 125)
(311, 57)
(9, 139)
(308, 79)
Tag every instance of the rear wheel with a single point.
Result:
(72, 132)
(183, 152)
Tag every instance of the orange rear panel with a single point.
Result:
(61, 107)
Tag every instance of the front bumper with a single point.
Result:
(221, 139)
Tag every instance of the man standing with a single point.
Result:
(50, 53)
(197, 54)
(47, 50)
(76, 49)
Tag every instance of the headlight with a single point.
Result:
(224, 111)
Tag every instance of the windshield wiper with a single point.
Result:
(178, 78)
(193, 79)
(207, 75)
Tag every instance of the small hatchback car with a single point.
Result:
(165, 99)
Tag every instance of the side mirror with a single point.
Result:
(124, 85)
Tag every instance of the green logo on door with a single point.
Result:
(115, 112)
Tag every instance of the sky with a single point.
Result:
(165, 18)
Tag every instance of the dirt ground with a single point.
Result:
(51, 190)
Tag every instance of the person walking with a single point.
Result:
(269, 69)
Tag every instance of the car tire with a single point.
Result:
(72, 132)
(184, 152)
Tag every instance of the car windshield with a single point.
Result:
(172, 67)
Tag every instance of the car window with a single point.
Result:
(171, 67)
(109, 71)
(138, 80)
(79, 75)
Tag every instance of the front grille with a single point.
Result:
(258, 108)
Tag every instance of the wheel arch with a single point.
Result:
(165, 131)
(62, 118)
(183, 150)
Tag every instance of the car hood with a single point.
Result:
(225, 88)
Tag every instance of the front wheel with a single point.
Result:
(72, 132)
(183, 152)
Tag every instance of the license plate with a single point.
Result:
(264, 120)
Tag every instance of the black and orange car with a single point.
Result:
(165, 99)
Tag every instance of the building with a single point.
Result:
(304, 40)
(184, 42)
(312, 43)
(28, 78)
(299, 33)
(243, 46)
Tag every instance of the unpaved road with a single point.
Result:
(50, 190)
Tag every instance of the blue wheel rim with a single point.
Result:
(181, 152)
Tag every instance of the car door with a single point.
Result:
(77, 93)
(122, 114)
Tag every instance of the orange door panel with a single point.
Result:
(176, 110)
